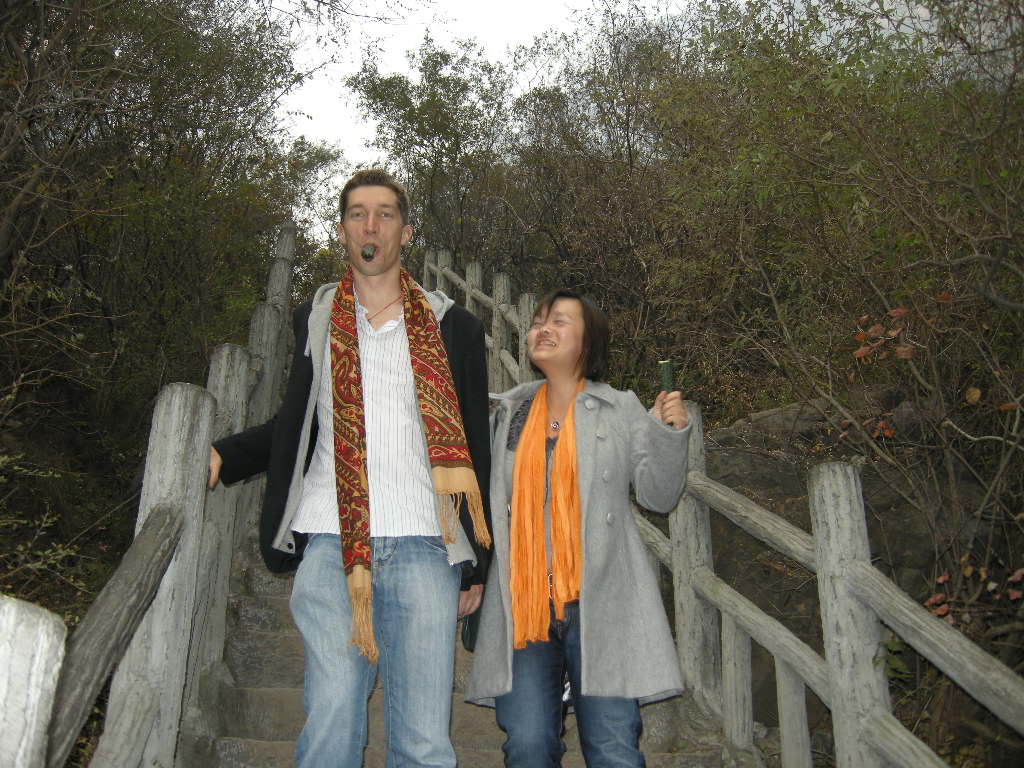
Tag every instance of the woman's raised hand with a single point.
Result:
(669, 409)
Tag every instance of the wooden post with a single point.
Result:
(428, 269)
(444, 261)
(794, 735)
(285, 246)
(229, 382)
(697, 632)
(524, 314)
(176, 470)
(737, 701)
(269, 340)
(31, 653)
(852, 633)
(499, 331)
(474, 282)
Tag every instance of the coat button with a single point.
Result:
(605, 475)
(608, 518)
(589, 404)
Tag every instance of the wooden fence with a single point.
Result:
(160, 619)
(183, 549)
(857, 601)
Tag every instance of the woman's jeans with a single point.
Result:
(531, 713)
(415, 602)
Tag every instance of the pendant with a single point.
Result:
(555, 425)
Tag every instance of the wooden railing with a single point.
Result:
(507, 319)
(183, 549)
(160, 619)
(715, 624)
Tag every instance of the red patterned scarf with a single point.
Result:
(451, 466)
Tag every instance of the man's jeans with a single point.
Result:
(415, 602)
(531, 713)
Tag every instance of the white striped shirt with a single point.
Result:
(402, 500)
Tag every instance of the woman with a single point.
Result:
(572, 590)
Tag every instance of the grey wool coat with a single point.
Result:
(626, 645)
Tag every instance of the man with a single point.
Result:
(376, 461)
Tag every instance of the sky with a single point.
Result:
(332, 115)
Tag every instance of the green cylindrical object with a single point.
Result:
(667, 375)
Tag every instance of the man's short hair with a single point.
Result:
(594, 349)
(376, 177)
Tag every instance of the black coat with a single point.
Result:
(273, 447)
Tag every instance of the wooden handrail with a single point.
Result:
(983, 676)
(779, 534)
(101, 638)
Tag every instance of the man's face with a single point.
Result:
(372, 218)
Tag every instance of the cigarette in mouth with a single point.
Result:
(368, 252)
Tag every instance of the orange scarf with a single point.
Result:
(451, 467)
(530, 592)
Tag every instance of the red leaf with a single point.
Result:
(860, 336)
(862, 352)
(892, 333)
(1004, 406)
(876, 330)
(1014, 594)
(943, 578)
(897, 312)
(938, 597)
(944, 298)
(887, 433)
(1017, 575)
(942, 610)
(904, 352)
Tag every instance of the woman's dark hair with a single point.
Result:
(594, 354)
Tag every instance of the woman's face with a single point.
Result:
(555, 340)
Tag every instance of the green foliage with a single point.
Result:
(143, 175)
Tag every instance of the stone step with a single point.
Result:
(265, 659)
(248, 753)
(275, 714)
(262, 614)
(250, 577)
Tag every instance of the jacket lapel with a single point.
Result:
(319, 320)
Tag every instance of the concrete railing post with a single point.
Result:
(31, 653)
(444, 261)
(151, 676)
(697, 624)
(524, 313)
(499, 331)
(269, 341)
(230, 382)
(474, 282)
(852, 633)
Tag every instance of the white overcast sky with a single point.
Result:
(333, 114)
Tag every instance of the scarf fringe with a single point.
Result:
(446, 482)
(360, 595)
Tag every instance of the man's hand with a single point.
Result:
(469, 599)
(669, 409)
(215, 464)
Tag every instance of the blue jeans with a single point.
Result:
(415, 602)
(531, 713)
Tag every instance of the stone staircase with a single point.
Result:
(259, 711)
